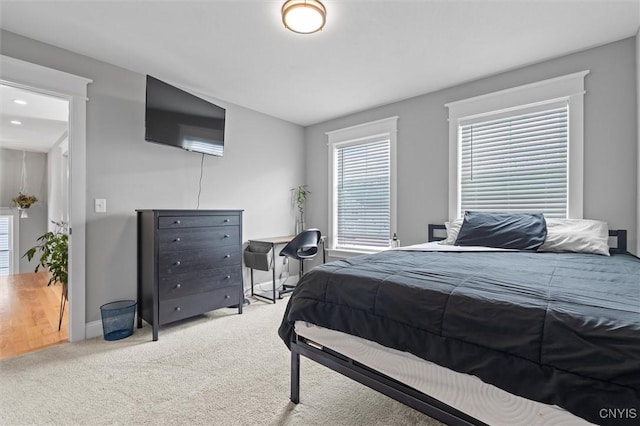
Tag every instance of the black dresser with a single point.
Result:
(189, 263)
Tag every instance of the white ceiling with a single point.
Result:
(370, 53)
(43, 120)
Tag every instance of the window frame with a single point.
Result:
(568, 88)
(14, 239)
(373, 131)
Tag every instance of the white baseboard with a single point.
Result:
(93, 329)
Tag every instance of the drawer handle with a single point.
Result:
(177, 263)
(177, 308)
(227, 277)
(226, 296)
(226, 256)
(178, 285)
(177, 222)
(177, 240)
(226, 235)
(226, 220)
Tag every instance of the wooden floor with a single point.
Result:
(29, 312)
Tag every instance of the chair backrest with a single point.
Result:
(303, 246)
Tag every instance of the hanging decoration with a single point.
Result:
(24, 200)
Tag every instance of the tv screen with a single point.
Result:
(177, 118)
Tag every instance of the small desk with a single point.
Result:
(274, 241)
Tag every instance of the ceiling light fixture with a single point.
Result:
(16, 122)
(304, 16)
(19, 102)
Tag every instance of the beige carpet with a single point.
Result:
(217, 369)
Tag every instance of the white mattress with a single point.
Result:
(464, 392)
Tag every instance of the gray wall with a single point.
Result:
(262, 157)
(611, 158)
(260, 164)
(638, 130)
(36, 224)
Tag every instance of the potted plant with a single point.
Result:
(53, 249)
(24, 201)
(300, 197)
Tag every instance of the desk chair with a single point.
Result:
(303, 246)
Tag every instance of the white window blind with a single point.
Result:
(516, 163)
(363, 192)
(5, 253)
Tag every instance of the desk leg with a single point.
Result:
(251, 281)
(274, 273)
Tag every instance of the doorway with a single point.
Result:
(73, 88)
(33, 188)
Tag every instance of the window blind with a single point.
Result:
(363, 194)
(516, 163)
(4, 246)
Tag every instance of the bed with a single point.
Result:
(541, 338)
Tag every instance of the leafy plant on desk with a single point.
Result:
(300, 197)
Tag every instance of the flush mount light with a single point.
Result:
(19, 102)
(16, 122)
(304, 16)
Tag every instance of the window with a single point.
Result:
(7, 264)
(517, 163)
(519, 150)
(362, 187)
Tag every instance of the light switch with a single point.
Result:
(100, 205)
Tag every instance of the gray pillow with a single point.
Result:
(521, 231)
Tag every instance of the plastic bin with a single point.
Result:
(117, 319)
(259, 255)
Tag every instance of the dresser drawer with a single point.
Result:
(168, 222)
(178, 262)
(196, 238)
(196, 304)
(178, 285)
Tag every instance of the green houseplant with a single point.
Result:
(24, 201)
(300, 197)
(53, 249)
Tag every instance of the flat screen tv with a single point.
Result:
(177, 118)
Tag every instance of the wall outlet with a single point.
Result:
(100, 205)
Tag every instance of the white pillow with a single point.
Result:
(577, 235)
(453, 228)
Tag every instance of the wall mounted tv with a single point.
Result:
(177, 118)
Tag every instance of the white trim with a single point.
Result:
(14, 233)
(17, 73)
(363, 130)
(345, 254)
(93, 329)
(569, 88)
(387, 128)
(539, 91)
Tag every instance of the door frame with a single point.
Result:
(25, 75)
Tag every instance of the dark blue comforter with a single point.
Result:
(559, 328)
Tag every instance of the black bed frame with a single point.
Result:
(619, 234)
(373, 379)
(385, 384)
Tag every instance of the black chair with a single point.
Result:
(303, 246)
